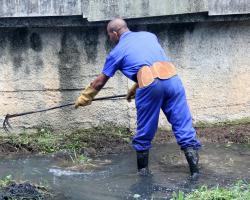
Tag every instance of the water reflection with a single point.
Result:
(146, 187)
(220, 164)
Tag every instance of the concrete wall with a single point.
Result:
(44, 67)
(107, 9)
(95, 10)
(41, 68)
(228, 7)
(34, 8)
(100, 10)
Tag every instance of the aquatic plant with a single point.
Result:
(79, 158)
(178, 195)
(239, 191)
(7, 180)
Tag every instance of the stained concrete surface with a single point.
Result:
(44, 67)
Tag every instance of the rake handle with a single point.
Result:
(116, 97)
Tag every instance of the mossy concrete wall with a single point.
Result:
(45, 67)
(42, 68)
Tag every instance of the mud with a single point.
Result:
(103, 141)
(114, 176)
(23, 191)
(234, 133)
(7, 147)
(239, 134)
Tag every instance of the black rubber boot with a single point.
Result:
(192, 157)
(142, 162)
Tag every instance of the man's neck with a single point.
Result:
(123, 30)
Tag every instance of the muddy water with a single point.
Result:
(116, 178)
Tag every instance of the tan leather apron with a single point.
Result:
(161, 70)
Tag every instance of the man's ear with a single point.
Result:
(116, 34)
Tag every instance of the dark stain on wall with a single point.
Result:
(19, 39)
(35, 42)
(90, 39)
(18, 43)
(39, 62)
(136, 28)
(17, 60)
(157, 29)
(69, 57)
(108, 45)
(176, 34)
(3, 41)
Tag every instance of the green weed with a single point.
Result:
(44, 140)
(6, 181)
(239, 191)
(79, 158)
(204, 124)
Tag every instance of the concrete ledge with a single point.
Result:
(100, 10)
(78, 21)
(103, 10)
(225, 7)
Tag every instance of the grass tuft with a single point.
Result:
(239, 191)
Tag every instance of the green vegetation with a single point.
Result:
(47, 141)
(240, 191)
(79, 158)
(6, 181)
(43, 141)
(202, 124)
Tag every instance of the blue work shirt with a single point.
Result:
(134, 50)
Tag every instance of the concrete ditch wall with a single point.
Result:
(38, 8)
(44, 67)
(100, 10)
(228, 7)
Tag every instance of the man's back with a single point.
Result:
(134, 50)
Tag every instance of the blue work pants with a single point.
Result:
(168, 95)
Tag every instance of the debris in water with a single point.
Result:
(23, 191)
(136, 196)
(59, 172)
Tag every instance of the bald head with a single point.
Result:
(116, 28)
(118, 25)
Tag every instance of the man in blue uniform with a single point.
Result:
(139, 56)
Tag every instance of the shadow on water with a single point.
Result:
(220, 165)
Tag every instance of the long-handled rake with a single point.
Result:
(6, 124)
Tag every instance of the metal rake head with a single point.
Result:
(6, 124)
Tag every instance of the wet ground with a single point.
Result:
(116, 177)
(21, 191)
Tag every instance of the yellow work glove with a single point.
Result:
(86, 96)
(131, 92)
